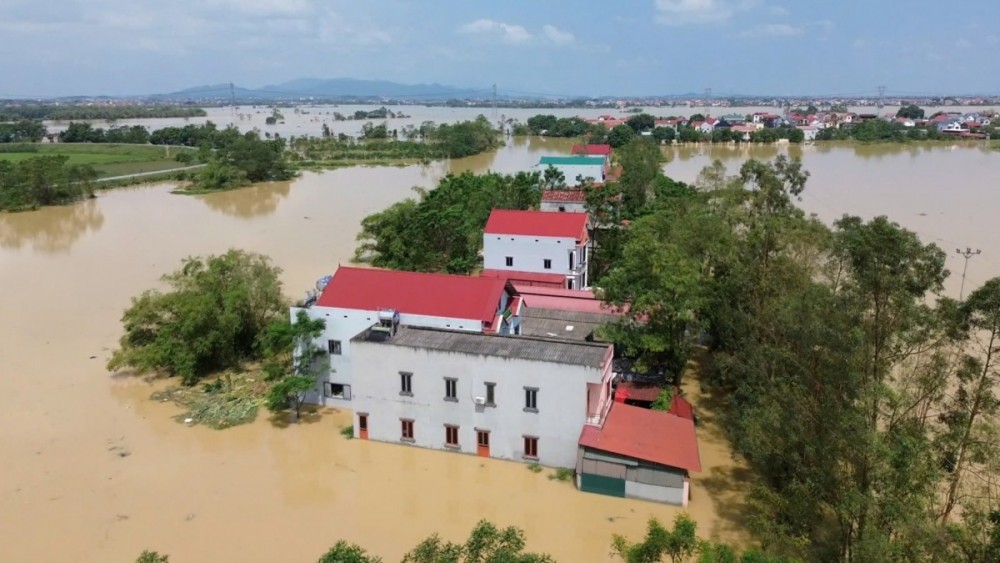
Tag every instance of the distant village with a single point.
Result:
(509, 363)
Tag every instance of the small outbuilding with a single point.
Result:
(639, 453)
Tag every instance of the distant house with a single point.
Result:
(592, 150)
(538, 242)
(573, 201)
(808, 132)
(573, 167)
(744, 130)
(734, 118)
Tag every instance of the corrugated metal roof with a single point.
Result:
(572, 160)
(648, 435)
(553, 323)
(515, 347)
(537, 223)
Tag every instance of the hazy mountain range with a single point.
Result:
(326, 88)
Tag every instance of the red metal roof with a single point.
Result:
(564, 195)
(680, 406)
(599, 150)
(537, 223)
(648, 435)
(556, 281)
(414, 293)
(563, 299)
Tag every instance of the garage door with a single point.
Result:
(602, 485)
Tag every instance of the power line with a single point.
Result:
(967, 253)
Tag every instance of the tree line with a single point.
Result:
(893, 453)
(489, 543)
(63, 112)
(44, 180)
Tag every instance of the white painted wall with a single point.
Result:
(562, 404)
(530, 253)
(568, 206)
(571, 171)
(344, 324)
(669, 495)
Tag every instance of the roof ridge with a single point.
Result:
(517, 337)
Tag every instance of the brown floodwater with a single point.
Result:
(92, 470)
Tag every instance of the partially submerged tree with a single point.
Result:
(210, 318)
(293, 362)
(344, 552)
(148, 556)
(486, 544)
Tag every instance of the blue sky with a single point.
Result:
(624, 47)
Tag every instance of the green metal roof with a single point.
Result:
(581, 160)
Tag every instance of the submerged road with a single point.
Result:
(153, 173)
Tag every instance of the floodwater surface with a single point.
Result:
(92, 470)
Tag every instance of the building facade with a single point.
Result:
(538, 242)
(574, 167)
(516, 398)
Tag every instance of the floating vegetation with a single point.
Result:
(229, 400)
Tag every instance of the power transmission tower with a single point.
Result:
(232, 99)
(967, 253)
(708, 101)
(881, 98)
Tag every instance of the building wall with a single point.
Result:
(561, 400)
(567, 206)
(641, 479)
(344, 324)
(571, 171)
(529, 254)
(656, 493)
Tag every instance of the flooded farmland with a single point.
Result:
(92, 470)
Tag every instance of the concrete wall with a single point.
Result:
(529, 254)
(668, 495)
(571, 171)
(344, 324)
(567, 206)
(562, 404)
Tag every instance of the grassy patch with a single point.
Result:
(534, 468)
(107, 159)
(347, 432)
(562, 474)
(227, 400)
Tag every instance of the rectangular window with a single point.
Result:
(491, 394)
(336, 390)
(450, 389)
(571, 255)
(531, 399)
(451, 436)
(510, 261)
(547, 264)
(406, 383)
(333, 347)
(407, 434)
(531, 447)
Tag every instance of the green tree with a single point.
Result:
(343, 552)
(442, 231)
(641, 122)
(620, 136)
(148, 556)
(640, 160)
(664, 134)
(970, 430)
(43, 180)
(679, 543)
(663, 400)
(552, 178)
(486, 544)
(697, 117)
(210, 319)
(910, 111)
(293, 363)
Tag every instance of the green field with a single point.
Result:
(108, 160)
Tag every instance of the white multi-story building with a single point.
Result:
(353, 299)
(577, 167)
(509, 397)
(539, 243)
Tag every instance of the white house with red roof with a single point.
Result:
(356, 298)
(537, 242)
(561, 201)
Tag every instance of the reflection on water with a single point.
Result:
(52, 229)
(246, 203)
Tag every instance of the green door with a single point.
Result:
(602, 485)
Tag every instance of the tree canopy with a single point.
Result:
(43, 180)
(211, 318)
(911, 111)
(442, 231)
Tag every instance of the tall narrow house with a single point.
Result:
(537, 248)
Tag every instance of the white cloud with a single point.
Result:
(680, 12)
(558, 36)
(510, 33)
(773, 30)
(777, 11)
(963, 43)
